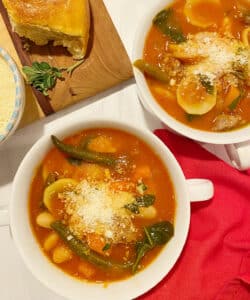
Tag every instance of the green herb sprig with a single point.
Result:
(43, 77)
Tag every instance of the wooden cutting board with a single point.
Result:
(107, 64)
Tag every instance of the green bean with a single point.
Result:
(84, 154)
(82, 250)
(151, 70)
(232, 106)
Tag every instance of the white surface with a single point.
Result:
(121, 102)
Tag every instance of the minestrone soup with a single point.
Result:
(197, 63)
(102, 205)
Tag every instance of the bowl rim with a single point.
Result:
(140, 289)
(150, 104)
(19, 100)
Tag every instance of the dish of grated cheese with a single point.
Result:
(7, 95)
(93, 207)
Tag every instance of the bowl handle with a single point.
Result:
(239, 155)
(4, 216)
(200, 189)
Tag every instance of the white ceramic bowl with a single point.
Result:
(235, 136)
(67, 286)
(19, 100)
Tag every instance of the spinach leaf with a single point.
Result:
(166, 23)
(161, 232)
(206, 82)
(140, 201)
(155, 235)
(133, 207)
(145, 200)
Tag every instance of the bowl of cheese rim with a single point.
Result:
(12, 96)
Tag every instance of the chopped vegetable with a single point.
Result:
(140, 201)
(145, 200)
(133, 207)
(86, 155)
(51, 178)
(155, 235)
(141, 188)
(74, 161)
(82, 250)
(151, 70)
(165, 21)
(106, 247)
(206, 83)
(236, 101)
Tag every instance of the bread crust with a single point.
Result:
(69, 18)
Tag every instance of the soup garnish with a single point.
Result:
(102, 204)
(197, 63)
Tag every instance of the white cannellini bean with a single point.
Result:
(44, 219)
(50, 241)
(61, 254)
(147, 212)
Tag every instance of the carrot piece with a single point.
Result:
(120, 185)
(97, 243)
(142, 172)
(232, 94)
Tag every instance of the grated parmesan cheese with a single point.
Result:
(216, 54)
(7, 95)
(93, 207)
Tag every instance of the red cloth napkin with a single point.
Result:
(215, 262)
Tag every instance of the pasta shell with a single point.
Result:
(57, 187)
(202, 13)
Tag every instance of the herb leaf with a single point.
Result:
(145, 200)
(165, 21)
(106, 247)
(140, 201)
(206, 82)
(43, 77)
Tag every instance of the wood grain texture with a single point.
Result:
(107, 63)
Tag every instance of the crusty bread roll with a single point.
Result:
(66, 22)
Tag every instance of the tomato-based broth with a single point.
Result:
(197, 62)
(102, 205)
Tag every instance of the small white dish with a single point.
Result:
(13, 117)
